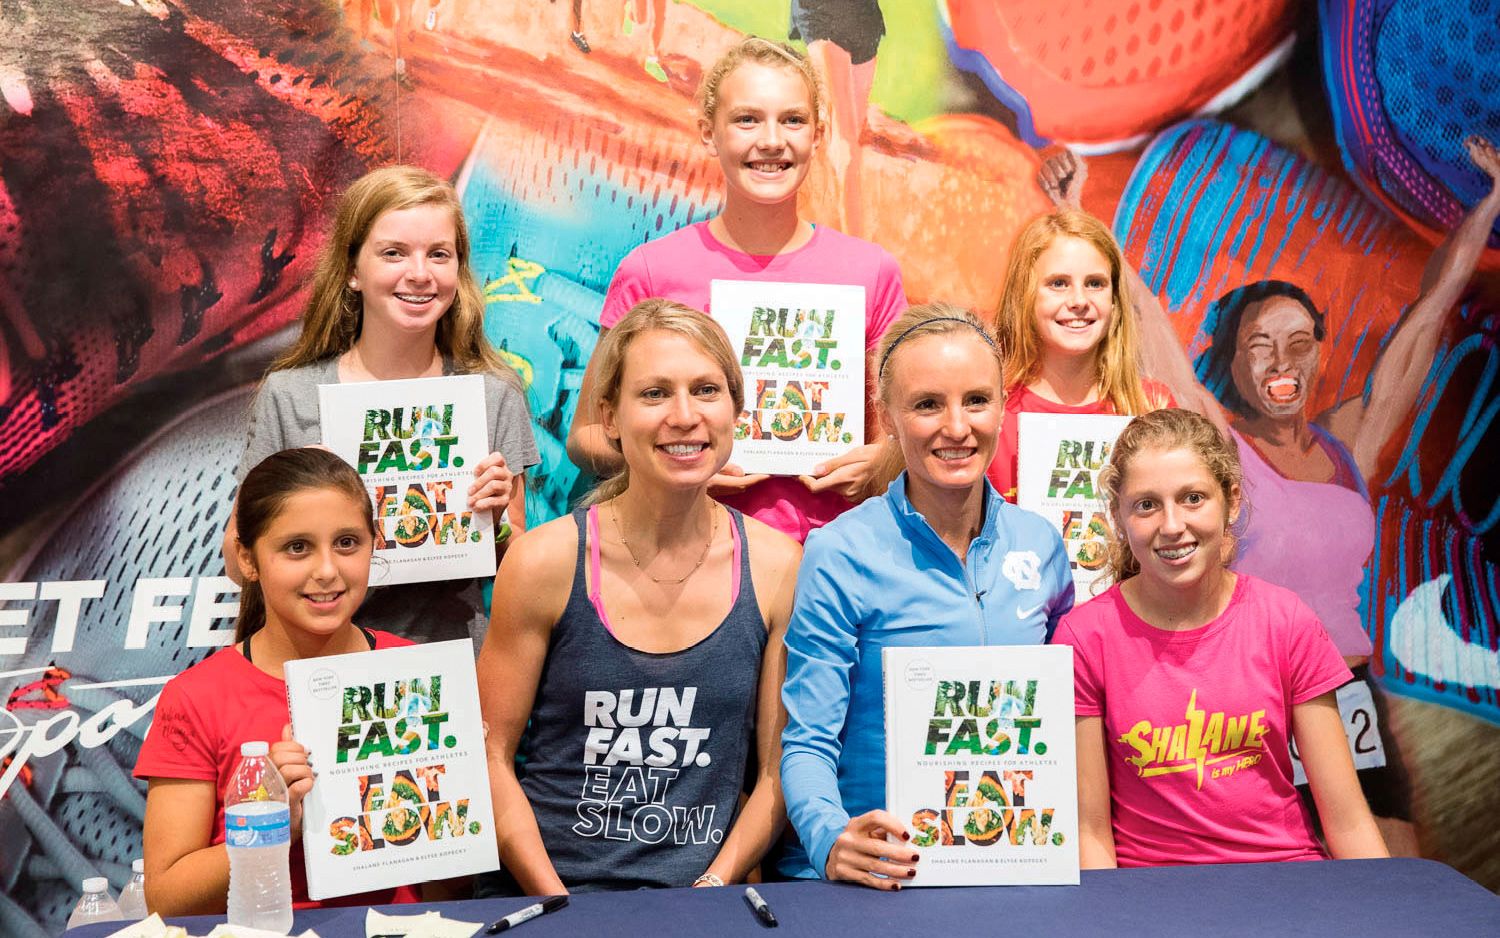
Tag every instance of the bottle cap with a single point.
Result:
(95, 884)
(257, 747)
(137, 866)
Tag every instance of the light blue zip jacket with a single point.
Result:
(879, 575)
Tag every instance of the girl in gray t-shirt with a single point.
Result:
(392, 297)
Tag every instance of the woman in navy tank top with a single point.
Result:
(635, 648)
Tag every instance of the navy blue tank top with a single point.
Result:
(637, 760)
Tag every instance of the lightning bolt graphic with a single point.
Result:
(1195, 748)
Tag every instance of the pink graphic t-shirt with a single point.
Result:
(1197, 724)
(682, 265)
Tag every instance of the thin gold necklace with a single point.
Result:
(620, 529)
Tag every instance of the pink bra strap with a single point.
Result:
(734, 535)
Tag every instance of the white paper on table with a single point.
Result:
(153, 927)
(426, 925)
(150, 927)
(226, 930)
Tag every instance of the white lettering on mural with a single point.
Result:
(20, 743)
(210, 607)
(146, 609)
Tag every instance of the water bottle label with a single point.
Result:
(268, 825)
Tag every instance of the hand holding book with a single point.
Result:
(848, 474)
(731, 480)
(290, 759)
(493, 487)
(864, 854)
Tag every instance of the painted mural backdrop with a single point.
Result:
(167, 168)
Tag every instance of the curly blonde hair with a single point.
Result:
(1168, 429)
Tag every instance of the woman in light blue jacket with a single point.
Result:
(940, 559)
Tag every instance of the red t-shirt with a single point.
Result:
(202, 717)
(1002, 471)
(1197, 724)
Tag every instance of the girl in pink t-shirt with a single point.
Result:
(1192, 681)
(1067, 327)
(761, 116)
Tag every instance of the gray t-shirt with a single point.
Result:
(285, 414)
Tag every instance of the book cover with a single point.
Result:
(1057, 476)
(416, 443)
(403, 787)
(802, 349)
(981, 764)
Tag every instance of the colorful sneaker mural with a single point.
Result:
(169, 170)
(1102, 75)
(1408, 81)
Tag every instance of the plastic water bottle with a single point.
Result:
(133, 896)
(258, 835)
(96, 905)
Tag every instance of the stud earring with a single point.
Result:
(353, 284)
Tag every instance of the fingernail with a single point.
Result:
(905, 835)
(911, 873)
(915, 858)
(896, 887)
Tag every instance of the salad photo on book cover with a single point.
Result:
(402, 790)
(415, 442)
(1059, 458)
(802, 349)
(981, 764)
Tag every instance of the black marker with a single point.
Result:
(762, 911)
(527, 914)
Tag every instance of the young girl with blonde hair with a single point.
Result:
(761, 116)
(1068, 329)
